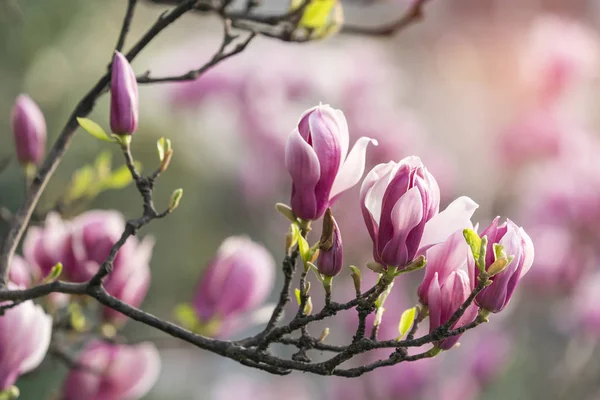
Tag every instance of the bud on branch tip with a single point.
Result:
(175, 199)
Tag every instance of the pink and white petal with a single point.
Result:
(30, 243)
(143, 369)
(38, 339)
(303, 165)
(344, 135)
(447, 256)
(457, 216)
(406, 214)
(373, 196)
(301, 161)
(529, 252)
(352, 168)
(434, 296)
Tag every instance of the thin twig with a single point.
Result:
(126, 24)
(221, 55)
(412, 15)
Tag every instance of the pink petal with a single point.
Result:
(37, 338)
(137, 367)
(529, 252)
(303, 166)
(406, 214)
(382, 174)
(435, 307)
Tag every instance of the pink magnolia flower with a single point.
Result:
(44, 247)
(113, 372)
(124, 102)
(29, 130)
(25, 333)
(397, 200)
(20, 272)
(82, 245)
(92, 235)
(315, 157)
(238, 279)
(400, 203)
(488, 356)
(516, 243)
(445, 296)
(559, 55)
(445, 258)
(330, 261)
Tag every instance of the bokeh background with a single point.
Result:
(498, 97)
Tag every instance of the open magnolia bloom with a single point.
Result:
(113, 371)
(25, 333)
(400, 206)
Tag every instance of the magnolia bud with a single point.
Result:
(29, 130)
(330, 260)
(317, 158)
(124, 101)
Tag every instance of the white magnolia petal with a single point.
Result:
(455, 217)
(353, 168)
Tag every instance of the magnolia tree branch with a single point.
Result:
(253, 351)
(263, 24)
(414, 14)
(126, 24)
(83, 108)
(220, 55)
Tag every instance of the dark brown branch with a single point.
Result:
(315, 344)
(126, 24)
(412, 15)
(221, 55)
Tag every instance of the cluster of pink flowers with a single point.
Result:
(400, 205)
(82, 245)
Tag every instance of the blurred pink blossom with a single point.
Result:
(113, 372)
(25, 333)
(559, 55)
(584, 310)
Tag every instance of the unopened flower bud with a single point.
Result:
(29, 130)
(124, 101)
(330, 260)
(317, 158)
(236, 281)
